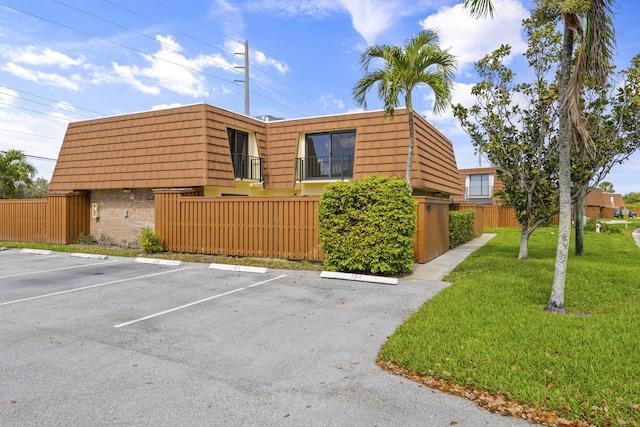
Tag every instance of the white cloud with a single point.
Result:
(230, 16)
(165, 106)
(329, 101)
(470, 39)
(369, 18)
(262, 59)
(170, 69)
(33, 56)
(51, 79)
(128, 75)
(372, 17)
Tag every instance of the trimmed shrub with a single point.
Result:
(367, 226)
(461, 227)
(149, 240)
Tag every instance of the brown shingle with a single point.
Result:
(188, 146)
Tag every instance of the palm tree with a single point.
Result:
(420, 60)
(593, 61)
(606, 187)
(594, 56)
(14, 170)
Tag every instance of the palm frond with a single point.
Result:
(479, 8)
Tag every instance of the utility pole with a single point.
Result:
(246, 76)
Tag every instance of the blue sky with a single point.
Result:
(69, 60)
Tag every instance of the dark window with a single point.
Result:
(244, 166)
(329, 155)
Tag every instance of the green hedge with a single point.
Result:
(461, 227)
(367, 226)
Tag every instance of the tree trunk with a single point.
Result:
(556, 300)
(579, 220)
(411, 139)
(524, 241)
(410, 153)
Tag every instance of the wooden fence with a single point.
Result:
(23, 220)
(431, 238)
(268, 227)
(264, 227)
(60, 218)
(492, 215)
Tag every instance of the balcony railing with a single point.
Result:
(324, 168)
(247, 167)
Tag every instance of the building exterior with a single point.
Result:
(122, 161)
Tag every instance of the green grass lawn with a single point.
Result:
(488, 332)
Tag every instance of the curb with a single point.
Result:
(35, 251)
(91, 256)
(157, 261)
(358, 277)
(241, 268)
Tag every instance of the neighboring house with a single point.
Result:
(600, 204)
(213, 152)
(480, 185)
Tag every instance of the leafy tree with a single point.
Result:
(631, 198)
(606, 187)
(15, 170)
(611, 118)
(512, 125)
(37, 190)
(419, 61)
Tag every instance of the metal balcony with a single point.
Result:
(324, 168)
(247, 167)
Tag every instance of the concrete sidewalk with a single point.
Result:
(438, 268)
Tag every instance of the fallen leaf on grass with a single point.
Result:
(495, 403)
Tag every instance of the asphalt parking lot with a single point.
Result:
(113, 342)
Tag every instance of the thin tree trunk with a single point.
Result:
(409, 105)
(524, 241)
(579, 220)
(556, 300)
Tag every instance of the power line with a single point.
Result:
(35, 157)
(46, 105)
(163, 59)
(139, 33)
(255, 67)
(34, 111)
(30, 134)
(114, 43)
(52, 100)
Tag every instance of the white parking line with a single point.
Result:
(93, 286)
(171, 310)
(58, 269)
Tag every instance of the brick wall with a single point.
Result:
(122, 215)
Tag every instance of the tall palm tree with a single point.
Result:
(14, 170)
(419, 61)
(594, 58)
